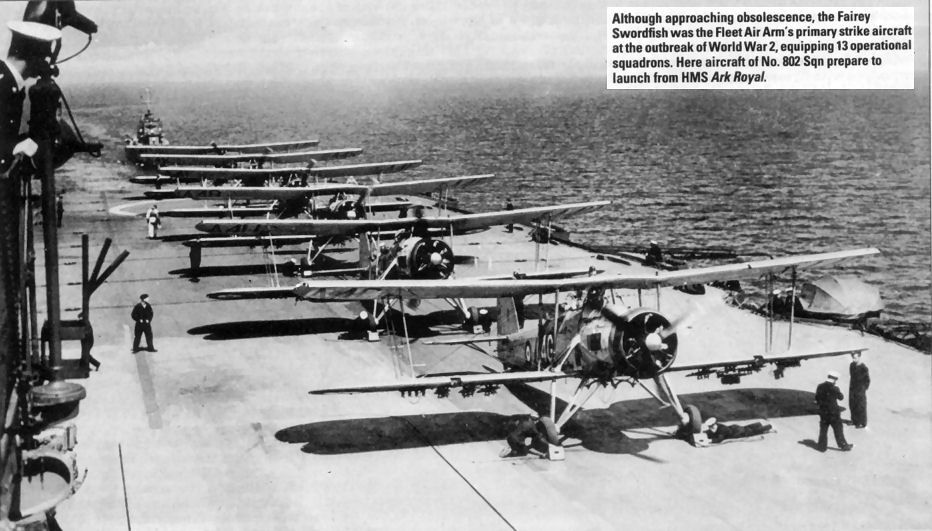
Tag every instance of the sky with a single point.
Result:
(209, 40)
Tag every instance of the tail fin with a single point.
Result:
(507, 316)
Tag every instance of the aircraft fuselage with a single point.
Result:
(608, 347)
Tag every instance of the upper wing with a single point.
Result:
(292, 192)
(259, 293)
(253, 192)
(278, 158)
(426, 186)
(731, 371)
(355, 170)
(197, 173)
(469, 222)
(232, 148)
(459, 222)
(487, 289)
(469, 383)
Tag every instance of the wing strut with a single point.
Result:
(789, 337)
(404, 324)
(664, 385)
(275, 282)
(575, 403)
(768, 324)
(557, 368)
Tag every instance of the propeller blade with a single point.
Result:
(683, 321)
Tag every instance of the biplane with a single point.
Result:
(597, 343)
(417, 252)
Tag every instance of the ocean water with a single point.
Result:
(771, 172)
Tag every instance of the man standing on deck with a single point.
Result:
(142, 314)
(857, 391)
(30, 44)
(153, 221)
(827, 396)
(509, 206)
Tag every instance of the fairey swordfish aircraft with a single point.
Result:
(598, 343)
(417, 252)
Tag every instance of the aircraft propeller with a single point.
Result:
(649, 341)
(432, 259)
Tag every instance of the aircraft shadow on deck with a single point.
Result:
(598, 430)
(265, 328)
(230, 270)
(419, 326)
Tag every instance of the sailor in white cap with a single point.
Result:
(654, 254)
(827, 396)
(30, 46)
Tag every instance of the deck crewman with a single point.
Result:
(654, 254)
(60, 208)
(153, 222)
(857, 390)
(827, 396)
(30, 45)
(142, 314)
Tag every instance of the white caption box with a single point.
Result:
(760, 48)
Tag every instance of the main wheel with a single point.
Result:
(695, 419)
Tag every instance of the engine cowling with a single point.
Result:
(640, 343)
(425, 258)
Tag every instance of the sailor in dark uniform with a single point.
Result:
(654, 254)
(142, 314)
(857, 391)
(718, 432)
(30, 44)
(827, 396)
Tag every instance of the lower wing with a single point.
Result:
(468, 382)
(730, 372)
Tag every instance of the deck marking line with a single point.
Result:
(148, 390)
(458, 473)
(129, 526)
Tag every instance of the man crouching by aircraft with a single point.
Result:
(523, 429)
